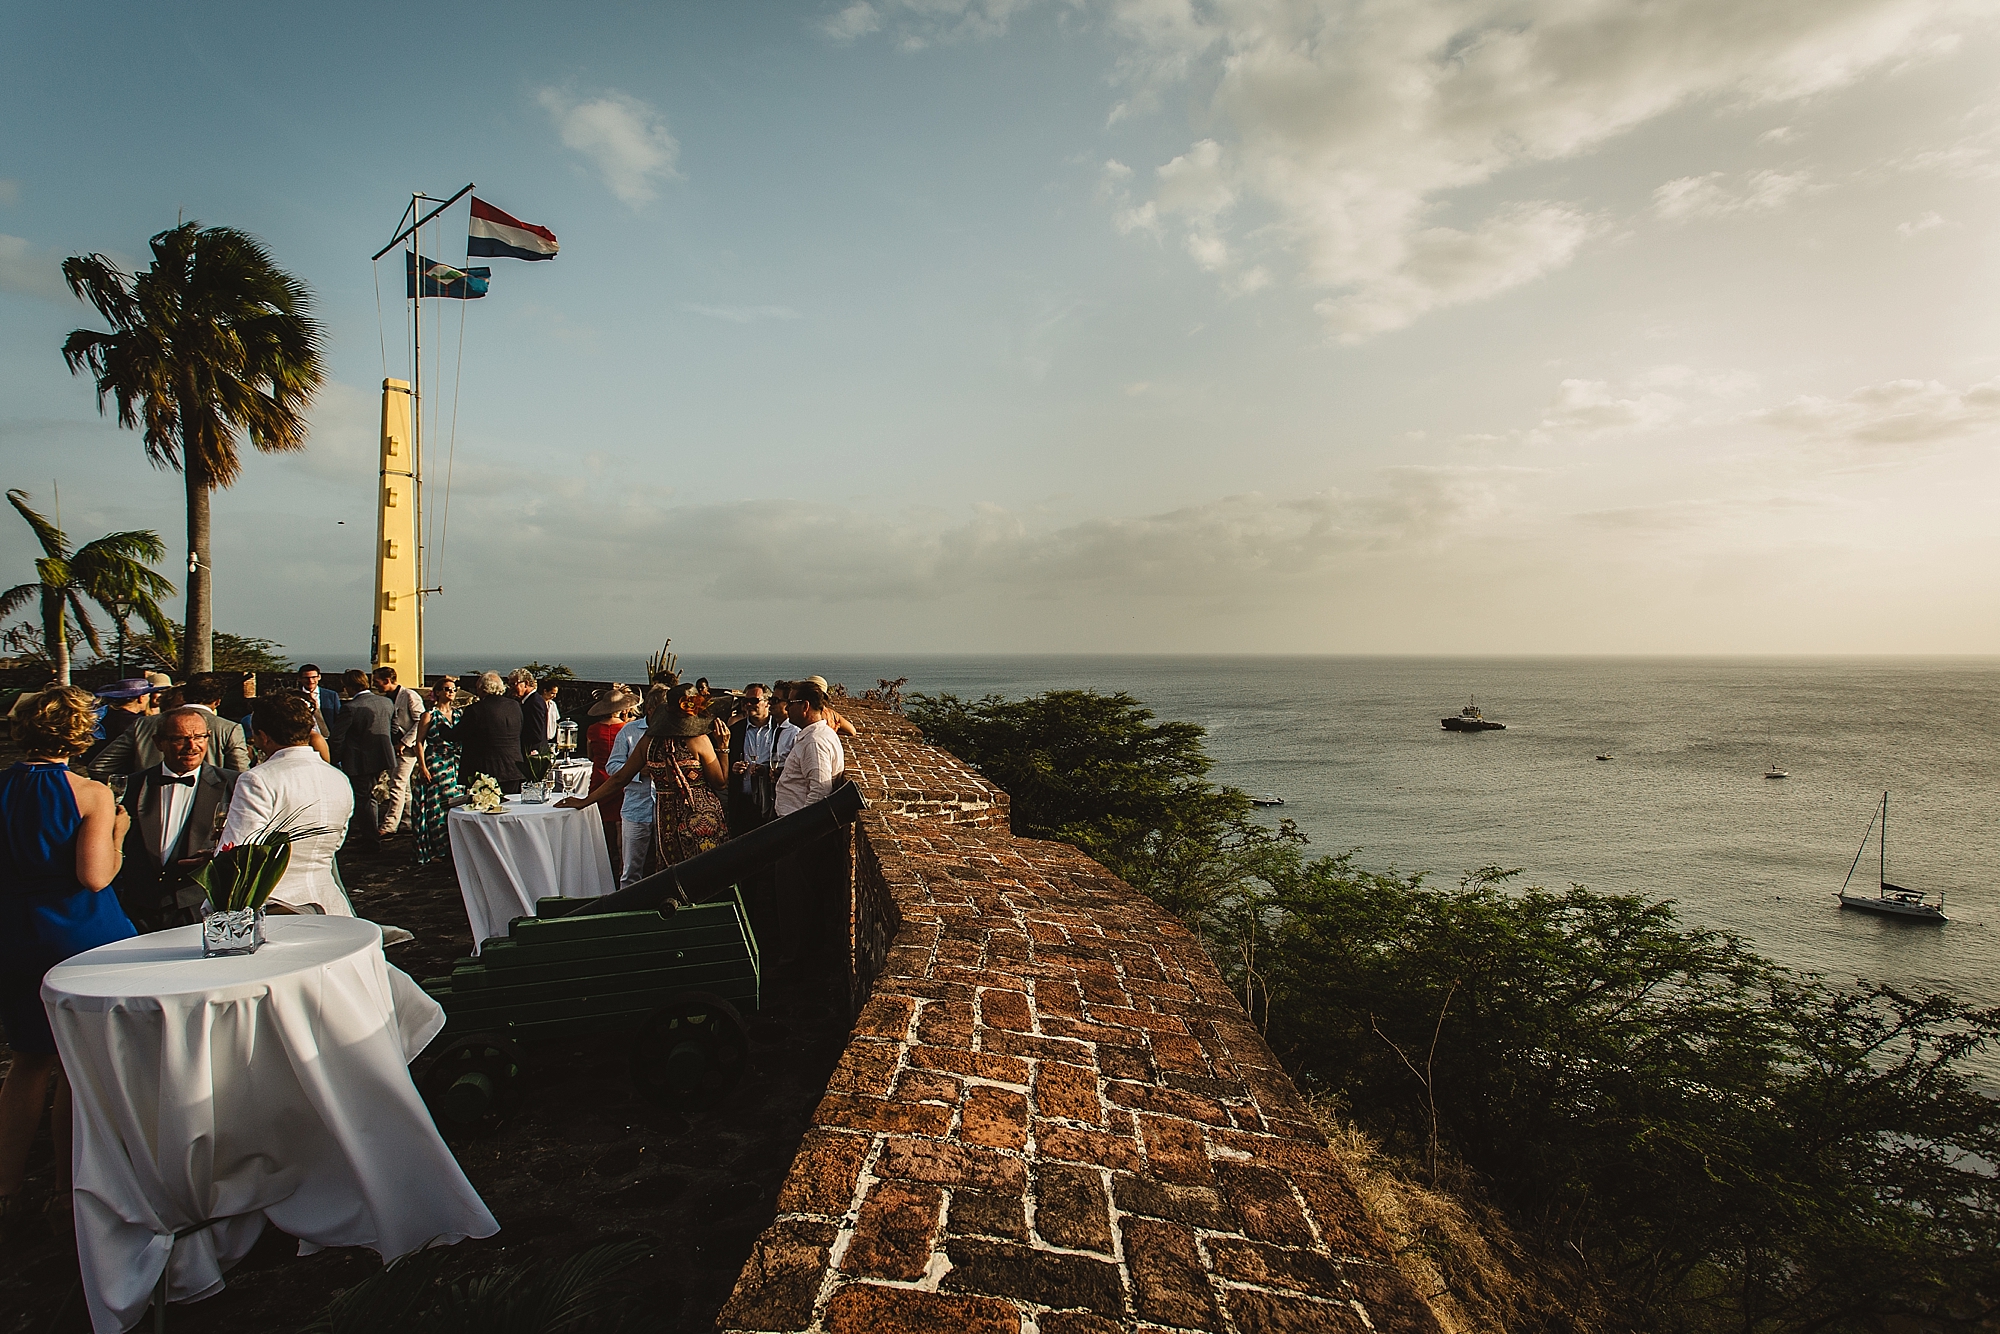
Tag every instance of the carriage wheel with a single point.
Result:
(688, 1054)
(472, 1082)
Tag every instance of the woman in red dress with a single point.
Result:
(613, 709)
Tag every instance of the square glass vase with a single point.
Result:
(227, 933)
(534, 794)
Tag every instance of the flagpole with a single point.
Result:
(417, 422)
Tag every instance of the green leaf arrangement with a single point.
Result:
(536, 765)
(242, 875)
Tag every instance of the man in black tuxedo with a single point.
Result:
(367, 751)
(539, 715)
(177, 807)
(489, 735)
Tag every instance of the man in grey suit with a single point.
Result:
(367, 751)
(138, 747)
(177, 807)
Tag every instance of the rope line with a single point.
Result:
(451, 449)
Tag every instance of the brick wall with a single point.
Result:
(1052, 1117)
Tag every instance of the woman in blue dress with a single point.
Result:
(61, 838)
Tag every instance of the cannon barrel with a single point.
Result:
(717, 869)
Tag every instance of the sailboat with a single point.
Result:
(1890, 900)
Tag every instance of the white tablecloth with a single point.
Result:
(521, 853)
(266, 1086)
(572, 777)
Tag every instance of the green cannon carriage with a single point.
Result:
(670, 961)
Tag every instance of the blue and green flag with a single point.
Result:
(444, 280)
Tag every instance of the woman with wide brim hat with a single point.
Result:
(613, 709)
(679, 757)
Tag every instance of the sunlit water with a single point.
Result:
(1683, 810)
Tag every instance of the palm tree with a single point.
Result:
(212, 341)
(112, 572)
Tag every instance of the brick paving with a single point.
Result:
(1051, 1116)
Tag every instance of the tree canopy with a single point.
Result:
(113, 571)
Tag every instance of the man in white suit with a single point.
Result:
(294, 789)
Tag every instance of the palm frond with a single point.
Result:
(95, 279)
(51, 538)
(142, 544)
(17, 597)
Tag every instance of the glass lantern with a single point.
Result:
(566, 737)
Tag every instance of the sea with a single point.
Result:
(1681, 811)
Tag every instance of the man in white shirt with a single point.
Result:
(403, 731)
(294, 789)
(816, 758)
(809, 879)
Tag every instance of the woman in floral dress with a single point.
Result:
(687, 775)
(435, 784)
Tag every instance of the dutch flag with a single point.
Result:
(503, 236)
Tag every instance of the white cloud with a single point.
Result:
(742, 314)
(1442, 266)
(30, 270)
(916, 24)
(1927, 222)
(1974, 156)
(1905, 414)
(1591, 406)
(1205, 551)
(624, 138)
(1350, 123)
(857, 20)
(1778, 134)
(1712, 196)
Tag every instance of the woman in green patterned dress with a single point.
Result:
(435, 784)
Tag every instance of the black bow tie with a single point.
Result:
(161, 778)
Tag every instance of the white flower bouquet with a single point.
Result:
(485, 793)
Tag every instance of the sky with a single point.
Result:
(1239, 326)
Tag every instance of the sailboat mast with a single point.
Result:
(1882, 867)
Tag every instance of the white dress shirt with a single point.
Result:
(296, 787)
(816, 759)
(760, 740)
(176, 800)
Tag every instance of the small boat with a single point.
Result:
(1469, 719)
(1891, 900)
(1267, 801)
(1605, 756)
(1775, 772)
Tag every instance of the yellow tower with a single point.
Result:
(399, 624)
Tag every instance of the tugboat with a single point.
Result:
(1471, 720)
